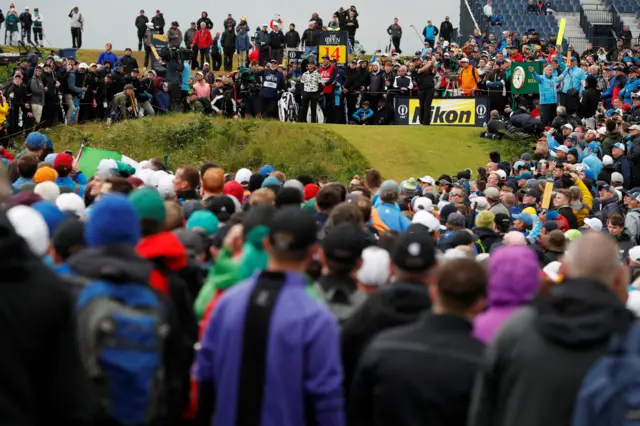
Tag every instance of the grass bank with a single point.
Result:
(196, 139)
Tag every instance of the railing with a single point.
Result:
(617, 20)
(580, 43)
(600, 17)
(585, 23)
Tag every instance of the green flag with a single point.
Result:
(91, 157)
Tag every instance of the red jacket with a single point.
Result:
(516, 58)
(203, 39)
(6, 154)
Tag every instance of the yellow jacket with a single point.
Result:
(587, 201)
(4, 111)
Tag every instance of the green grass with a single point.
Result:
(337, 151)
(404, 151)
(196, 139)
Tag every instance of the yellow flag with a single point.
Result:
(546, 197)
(563, 21)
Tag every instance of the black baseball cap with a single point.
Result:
(68, 238)
(326, 57)
(415, 250)
(289, 197)
(222, 206)
(191, 207)
(344, 243)
(533, 192)
(292, 229)
(503, 222)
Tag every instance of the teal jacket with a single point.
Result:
(548, 93)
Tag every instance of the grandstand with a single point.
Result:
(596, 21)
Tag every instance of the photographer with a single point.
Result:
(20, 108)
(248, 88)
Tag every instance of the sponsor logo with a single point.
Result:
(333, 39)
(481, 110)
(449, 112)
(403, 110)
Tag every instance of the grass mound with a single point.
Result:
(196, 139)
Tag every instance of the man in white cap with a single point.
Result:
(26, 22)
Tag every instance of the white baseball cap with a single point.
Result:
(83, 66)
(607, 160)
(563, 148)
(30, 225)
(423, 203)
(617, 177)
(427, 179)
(243, 175)
(72, 203)
(634, 254)
(594, 223)
(568, 126)
(427, 220)
(635, 127)
(502, 174)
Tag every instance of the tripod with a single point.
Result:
(452, 86)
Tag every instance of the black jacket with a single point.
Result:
(589, 102)
(391, 306)
(228, 40)
(487, 238)
(634, 159)
(351, 29)
(276, 39)
(129, 63)
(310, 37)
(534, 368)
(141, 23)
(292, 39)
(122, 265)
(425, 80)
(419, 374)
(446, 30)
(206, 20)
(158, 22)
(43, 379)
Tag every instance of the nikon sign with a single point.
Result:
(444, 112)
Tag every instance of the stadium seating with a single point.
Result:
(516, 19)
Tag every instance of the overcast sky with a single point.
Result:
(112, 20)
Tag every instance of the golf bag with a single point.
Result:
(288, 108)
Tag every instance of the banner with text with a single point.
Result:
(334, 45)
(472, 112)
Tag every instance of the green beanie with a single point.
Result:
(203, 220)
(148, 204)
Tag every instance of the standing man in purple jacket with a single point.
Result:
(270, 354)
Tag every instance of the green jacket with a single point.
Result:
(223, 274)
(12, 22)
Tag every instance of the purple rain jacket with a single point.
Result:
(303, 367)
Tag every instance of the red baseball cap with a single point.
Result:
(63, 160)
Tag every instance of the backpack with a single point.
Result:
(122, 331)
(610, 392)
(341, 303)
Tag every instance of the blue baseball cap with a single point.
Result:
(619, 145)
(526, 218)
(35, 141)
(525, 175)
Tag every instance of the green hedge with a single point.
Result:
(196, 139)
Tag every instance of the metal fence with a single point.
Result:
(599, 17)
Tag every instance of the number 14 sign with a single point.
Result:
(339, 53)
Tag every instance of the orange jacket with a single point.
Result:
(468, 79)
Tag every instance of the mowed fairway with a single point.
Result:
(404, 151)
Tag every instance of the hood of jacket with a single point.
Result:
(581, 313)
(400, 303)
(164, 247)
(514, 276)
(116, 263)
